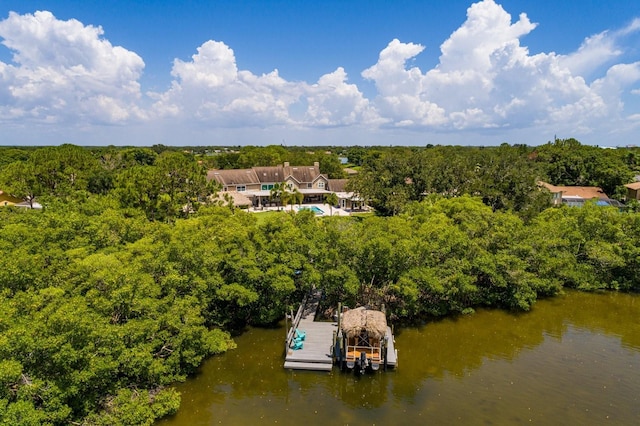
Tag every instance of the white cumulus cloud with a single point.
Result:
(65, 71)
(334, 102)
(211, 89)
(486, 79)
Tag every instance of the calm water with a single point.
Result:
(574, 359)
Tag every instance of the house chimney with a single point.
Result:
(316, 164)
(286, 164)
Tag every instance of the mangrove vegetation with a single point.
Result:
(131, 274)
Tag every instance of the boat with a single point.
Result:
(361, 343)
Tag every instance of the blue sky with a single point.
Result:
(319, 72)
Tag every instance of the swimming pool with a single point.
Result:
(314, 209)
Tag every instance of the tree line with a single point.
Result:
(504, 177)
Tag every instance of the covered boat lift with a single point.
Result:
(364, 341)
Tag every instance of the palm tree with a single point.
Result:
(287, 198)
(276, 193)
(297, 196)
(331, 199)
(291, 196)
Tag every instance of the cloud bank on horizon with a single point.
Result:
(67, 75)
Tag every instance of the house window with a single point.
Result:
(241, 188)
(321, 185)
(267, 187)
(309, 185)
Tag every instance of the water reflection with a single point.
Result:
(574, 357)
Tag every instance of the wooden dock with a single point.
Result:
(316, 350)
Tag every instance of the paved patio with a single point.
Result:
(325, 208)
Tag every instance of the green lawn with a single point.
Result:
(263, 216)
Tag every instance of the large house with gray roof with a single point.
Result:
(256, 183)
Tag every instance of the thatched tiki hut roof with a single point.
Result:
(354, 321)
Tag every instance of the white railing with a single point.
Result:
(294, 323)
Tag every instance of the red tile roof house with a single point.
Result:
(256, 183)
(578, 195)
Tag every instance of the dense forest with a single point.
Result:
(131, 274)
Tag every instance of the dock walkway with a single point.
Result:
(392, 353)
(316, 350)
